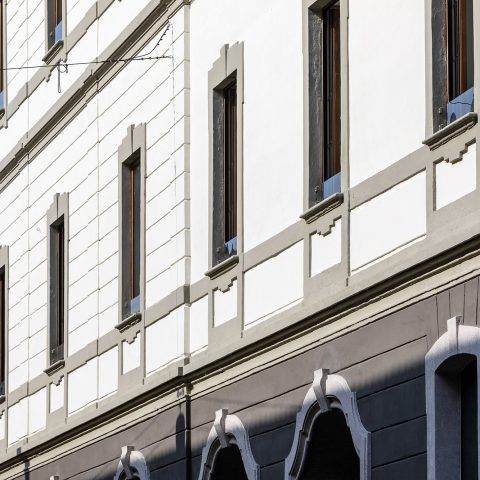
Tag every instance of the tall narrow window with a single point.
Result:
(57, 223)
(225, 93)
(452, 60)
(469, 421)
(132, 228)
(332, 100)
(57, 290)
(2, 59)
(55, 22)
(324, 100)
(132, 158)
(3, 329)
(460, 58)
(230, 127)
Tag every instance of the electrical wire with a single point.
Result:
(146, 56)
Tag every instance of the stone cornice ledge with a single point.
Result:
(322, 207)
(129, 321)
(55, 367)
(452, 130)
(222, 267)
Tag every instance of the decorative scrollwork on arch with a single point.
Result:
(328, 392)
(132, 465)
(228, 430)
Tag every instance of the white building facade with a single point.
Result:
(226, 227)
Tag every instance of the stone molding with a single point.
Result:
(228, 430)
(328, 392)
(132, 465)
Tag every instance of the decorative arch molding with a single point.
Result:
(459, 341)
(132, 465)
(326, 393)
(228, 430)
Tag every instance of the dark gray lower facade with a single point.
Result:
(383, 363)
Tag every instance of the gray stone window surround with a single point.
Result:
(328, 392)
(133, 147)
(4, 265)
(58, 212)
(313, 106)
(226, 69)
(132, 465)
(58, 51)
(438, 132)
(3, 74)
(228, 430)
(458, 341)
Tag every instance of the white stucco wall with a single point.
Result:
(387, 83)
(273, 114)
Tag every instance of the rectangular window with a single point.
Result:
(2, 59)
(460, 58)
(55, 22)
(452, 60)
(225, 119)
(332, 97)
(324, 100)
(3, 330)
(230, 158)
(132, 235)
(57, 290)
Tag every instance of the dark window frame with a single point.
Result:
(325, 52)
(226, 157)
(4, 289)
(3, 62)
(57, 254)
(132, 161)
(452, 93)
(55, 10)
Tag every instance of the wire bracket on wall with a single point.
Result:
(61, 68)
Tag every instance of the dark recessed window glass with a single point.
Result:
(55, 22)
(3, 330)
(57, 290)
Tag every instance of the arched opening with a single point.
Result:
(456, 418)
(228, 465)
(330, 454)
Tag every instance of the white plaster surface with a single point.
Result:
(83, 386)
(18, 421)
(273, 137)
(388, 222)
(108, 372)
(455, 180)
(387, 83)
(199, 324)
(131, 354)
(57, 393)
(274, 285)
(225, 305)
(37, 411)
(326, 249)
(165, 340)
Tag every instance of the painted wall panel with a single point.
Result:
(37, 411)
(131, 354)
(387, 83)
(18, 421)
(108, 373)
(225, 305)
(165, 340)
(326, 249)
(274, 285)
(454, 180)
(199, 325)
(57, 393)
(394, 219)
(83, 386)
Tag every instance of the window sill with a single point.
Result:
(51, 54)
(222, 267)
(2, 399)
(322, 207)
(451, 131)
(128, 322)
(55, 367)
